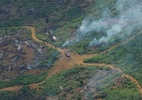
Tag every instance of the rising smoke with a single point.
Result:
(121, 26)
(101, 80)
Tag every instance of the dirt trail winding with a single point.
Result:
(116, 45)
(65, 63)
(12, 89)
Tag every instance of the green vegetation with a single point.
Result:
(42, 37)
(53, 56)
(24, 80)
(67, 85)
(127, 56)
(23, 94)
(126, 92)
(61, 18)
(69, 80)
(114, 92)
(82, 47)
(8, 30)
(122, 93)
(99, 7)
(33, 11)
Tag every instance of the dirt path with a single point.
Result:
(116, 45)
(75, 60)
(12, 89)
(135, 82)
(123, 74)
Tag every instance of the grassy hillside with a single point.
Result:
(127, 56)
(63, 19)
(49, 16)
(33, 11)
(74, 84)
(58, 18)
(94, 13)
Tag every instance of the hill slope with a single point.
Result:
(102, 37)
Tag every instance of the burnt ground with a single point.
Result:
(19, 54)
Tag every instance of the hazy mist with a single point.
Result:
(121, 26)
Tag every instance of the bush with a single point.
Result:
(24, 80)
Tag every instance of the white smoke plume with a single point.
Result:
(120, 26)
(101, 80)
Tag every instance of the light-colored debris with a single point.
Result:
(47, 33)
(1, 54)
(54, 38)
(61, 88)
(29, 67)
(34, 45)
(39, 50)
(16, 41)
(27, 42)
(19, 47)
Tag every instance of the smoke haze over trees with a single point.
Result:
(119, 26)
